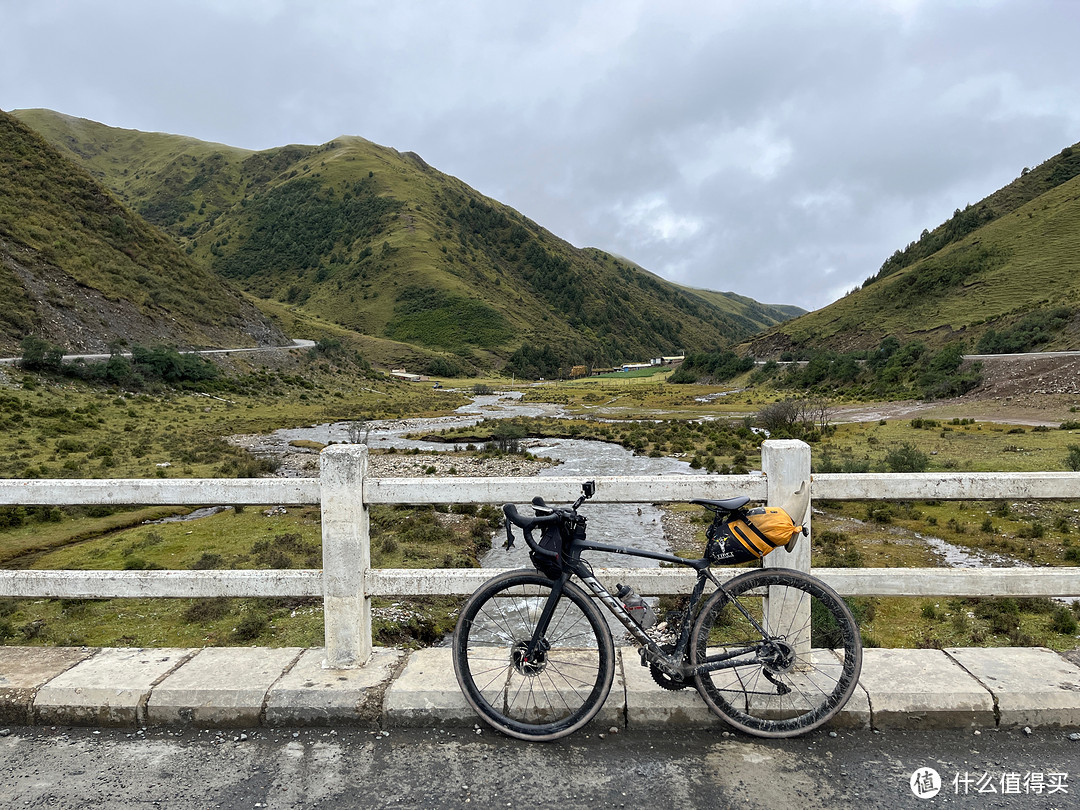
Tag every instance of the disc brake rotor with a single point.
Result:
(530, 667)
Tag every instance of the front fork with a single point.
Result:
(537, 646)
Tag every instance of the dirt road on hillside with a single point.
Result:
(1017, 389)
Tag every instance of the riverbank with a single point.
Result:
(294, 461)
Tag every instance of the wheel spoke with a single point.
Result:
(555, 690)
(789, 687)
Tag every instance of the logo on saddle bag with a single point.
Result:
(750, 535)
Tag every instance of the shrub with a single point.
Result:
(1063, 621)
(208, 561)
(882, 513)
(388, 545)
(1003, 615)
(1072, 461)
(206, 610)
(907, 458)
(250, 627)
(1033, 530)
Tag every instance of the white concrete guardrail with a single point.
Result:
(346, 582)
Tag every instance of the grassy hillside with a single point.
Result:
(80, 270)
(381, 243)
(1001, 275)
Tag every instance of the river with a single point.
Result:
(634, 524)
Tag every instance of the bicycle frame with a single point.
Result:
(651, 652)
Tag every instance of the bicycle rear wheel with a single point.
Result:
(795, 677)
(556, 692)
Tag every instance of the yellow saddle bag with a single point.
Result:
(751, 534)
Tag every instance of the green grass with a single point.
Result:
(979, 447)
(53, 429)
(35, 536)
(248, 538)
(636, 373)
(85, 419)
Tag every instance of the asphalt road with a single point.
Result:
(351, 768)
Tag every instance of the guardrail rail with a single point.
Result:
(346, 582)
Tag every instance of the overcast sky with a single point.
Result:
(780, 150)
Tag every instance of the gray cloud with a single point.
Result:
(780, 150)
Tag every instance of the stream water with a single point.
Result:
(635, 524)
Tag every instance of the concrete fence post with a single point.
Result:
(346, 552)
(786, 464)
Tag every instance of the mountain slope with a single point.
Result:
(381, 243)
(80, 270)
(1009, 264)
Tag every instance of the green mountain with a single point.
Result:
(1000, 275)
(381, 243)
(80, 270)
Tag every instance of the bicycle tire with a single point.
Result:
(819, 675)
(541, 699)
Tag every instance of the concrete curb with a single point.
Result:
(251, 686)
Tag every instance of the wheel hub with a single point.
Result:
(777, 656)
(527, 665)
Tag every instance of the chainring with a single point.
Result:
(662, 678)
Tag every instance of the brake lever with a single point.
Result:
(509, 544)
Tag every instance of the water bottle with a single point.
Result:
(639, 611)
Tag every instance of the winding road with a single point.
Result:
(298, 343)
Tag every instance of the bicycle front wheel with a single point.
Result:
(550, 694)
(790, 678)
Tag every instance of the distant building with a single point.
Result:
(402, 374)
(578, 371)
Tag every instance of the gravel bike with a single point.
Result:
(774, 652)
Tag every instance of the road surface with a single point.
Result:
(436, 768)
(298, 343)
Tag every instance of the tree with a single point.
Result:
(39, 355)
(358, 431)
(795, 417)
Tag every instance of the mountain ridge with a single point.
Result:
(380, 242)
(1008, 265)
(82, 271)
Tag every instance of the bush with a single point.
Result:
(1033, 530)
(208, 561)
(250, 627)
(206, 610)
(1063, 621)
(1003, 615)
(1072, 461)
(881, 513)
(907, 458)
